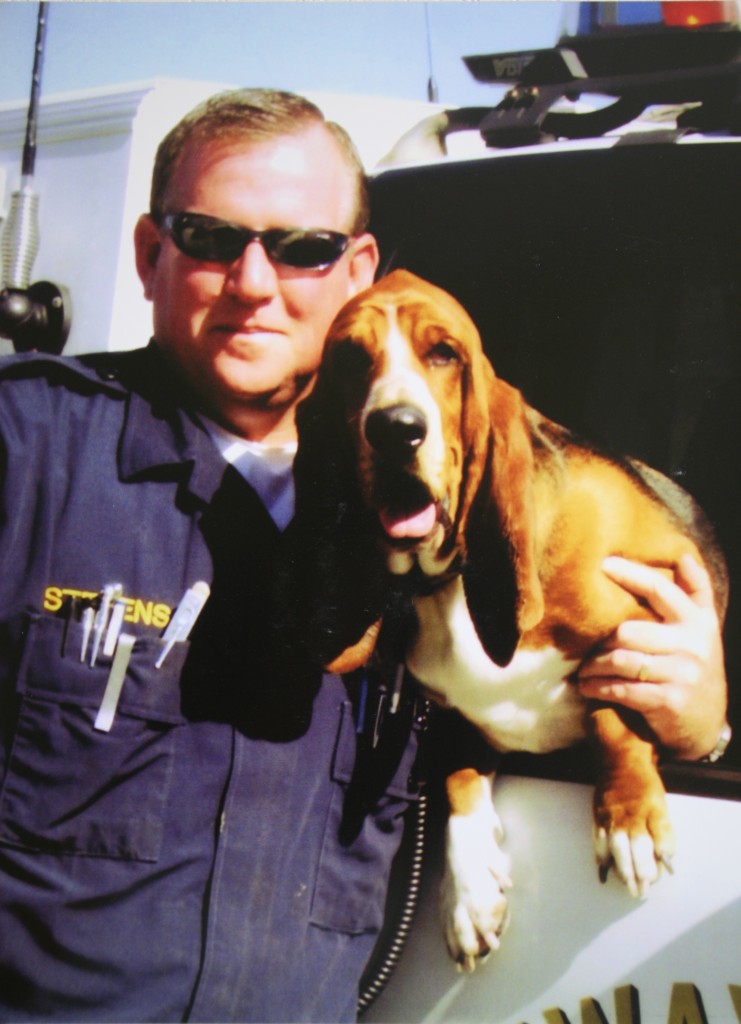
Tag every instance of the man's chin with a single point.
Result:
(266, 392)
(258, 407)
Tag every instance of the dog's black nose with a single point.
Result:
(396, 431)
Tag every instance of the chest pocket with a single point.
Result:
(70, 789)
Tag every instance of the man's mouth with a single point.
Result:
(249, 333)
(246, 330)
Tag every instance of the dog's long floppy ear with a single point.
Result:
(333, 576)
(500, 575)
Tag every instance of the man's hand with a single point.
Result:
(671, 671)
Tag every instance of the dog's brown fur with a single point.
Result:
(525, 515)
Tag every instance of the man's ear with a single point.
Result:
(147, 246)
(363, 263)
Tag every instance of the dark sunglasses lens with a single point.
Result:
(206, 240)
(305, 249)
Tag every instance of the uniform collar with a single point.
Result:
(158, 431)
(151, 441)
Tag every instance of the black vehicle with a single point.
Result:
(599, 254)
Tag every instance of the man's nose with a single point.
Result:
(252, 277)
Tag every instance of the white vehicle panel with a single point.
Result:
(572, 942)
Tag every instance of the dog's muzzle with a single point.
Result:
(407, 511)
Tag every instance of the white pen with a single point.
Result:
(184, 617)
(114, 627)
(109, 592)
(87, 627)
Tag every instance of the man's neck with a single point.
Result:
(270, 426)
(269, 418)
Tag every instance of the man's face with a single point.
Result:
(248, 336)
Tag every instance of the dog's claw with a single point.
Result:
(637, 858)
(467, 963)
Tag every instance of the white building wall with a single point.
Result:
(94, 158)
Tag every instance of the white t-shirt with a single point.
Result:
(266, 467)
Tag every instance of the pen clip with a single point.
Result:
(380, 715)
(114, 627)
(87, 618)
(106, 596)
(398, 684)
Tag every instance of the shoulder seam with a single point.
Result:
(34, 365)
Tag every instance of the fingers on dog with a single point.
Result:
(667, 600)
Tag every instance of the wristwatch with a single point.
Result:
(724, 738)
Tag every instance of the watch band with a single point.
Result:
(724, 738)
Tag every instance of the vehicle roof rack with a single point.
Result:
(640, 66)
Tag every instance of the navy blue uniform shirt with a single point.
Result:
(199, 861)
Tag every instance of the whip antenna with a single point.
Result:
(432, 90)
(29, 146)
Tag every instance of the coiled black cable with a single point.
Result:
(379, 978)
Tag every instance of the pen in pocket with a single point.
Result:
(183, 618)
(109, 592)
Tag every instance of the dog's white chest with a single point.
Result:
(526, 705)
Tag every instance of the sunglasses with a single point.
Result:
(208, 238)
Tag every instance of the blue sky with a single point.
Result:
(368, 47)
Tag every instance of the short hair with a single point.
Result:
(254, 115)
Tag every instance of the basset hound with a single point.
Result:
(417, 463)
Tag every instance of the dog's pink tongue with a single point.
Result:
(417, 525)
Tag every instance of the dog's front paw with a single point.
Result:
(473, 904)
(633, 834)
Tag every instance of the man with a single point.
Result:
(182, 843)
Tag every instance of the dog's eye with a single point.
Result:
(442, 354)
